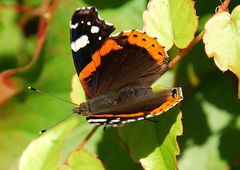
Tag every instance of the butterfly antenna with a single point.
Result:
(51, 95)
(56, 124)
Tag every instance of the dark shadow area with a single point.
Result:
(204, 7)
(113, 154)
(7, 62)
(222, 91)
(195, 126)
(103, 4)
(230, 146)
(31, 27)
(192, 71)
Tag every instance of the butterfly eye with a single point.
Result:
(83, 109)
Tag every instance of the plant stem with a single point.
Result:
(185, 51)
(223, 7)
(81, 146)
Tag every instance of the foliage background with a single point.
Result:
(211, 122)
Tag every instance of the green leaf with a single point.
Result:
(171, 21)
(154, 144)
(222, 41)
(203, 157)
(82, 160)
(44, 152)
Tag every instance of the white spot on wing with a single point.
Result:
(88, 23)
(97, 120)
(80, 43)
(82, 22)
(115, 121)
(99, 38)
(96, 123)
(115, 125)
(131, 120)
(73, 26)
(128, 120)
(140, 118)
(94, 29)
(180, 92)
(148, 116)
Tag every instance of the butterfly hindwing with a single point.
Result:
(131, 105)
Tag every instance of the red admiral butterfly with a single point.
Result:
(116, 72)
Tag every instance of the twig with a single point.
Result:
(81, 146)
(41, 34)
(223, 7)
(42, 28)
(186, 50)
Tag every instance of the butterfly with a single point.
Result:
(117, 71)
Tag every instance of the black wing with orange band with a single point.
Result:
(87, 33)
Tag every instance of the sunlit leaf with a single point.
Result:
(203, 157)
(77, 94)
(44, 152)
(82, 160)
(222, 41)
(171, 21)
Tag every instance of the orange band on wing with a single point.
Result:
(138, 114)
(168, 104)
(150, 44)
(108, 46)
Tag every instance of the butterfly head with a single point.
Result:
(82, 109)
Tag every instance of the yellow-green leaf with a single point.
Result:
(171, 21)
(82, 160)
(44, 152)
(77, 94)
(222, 41)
